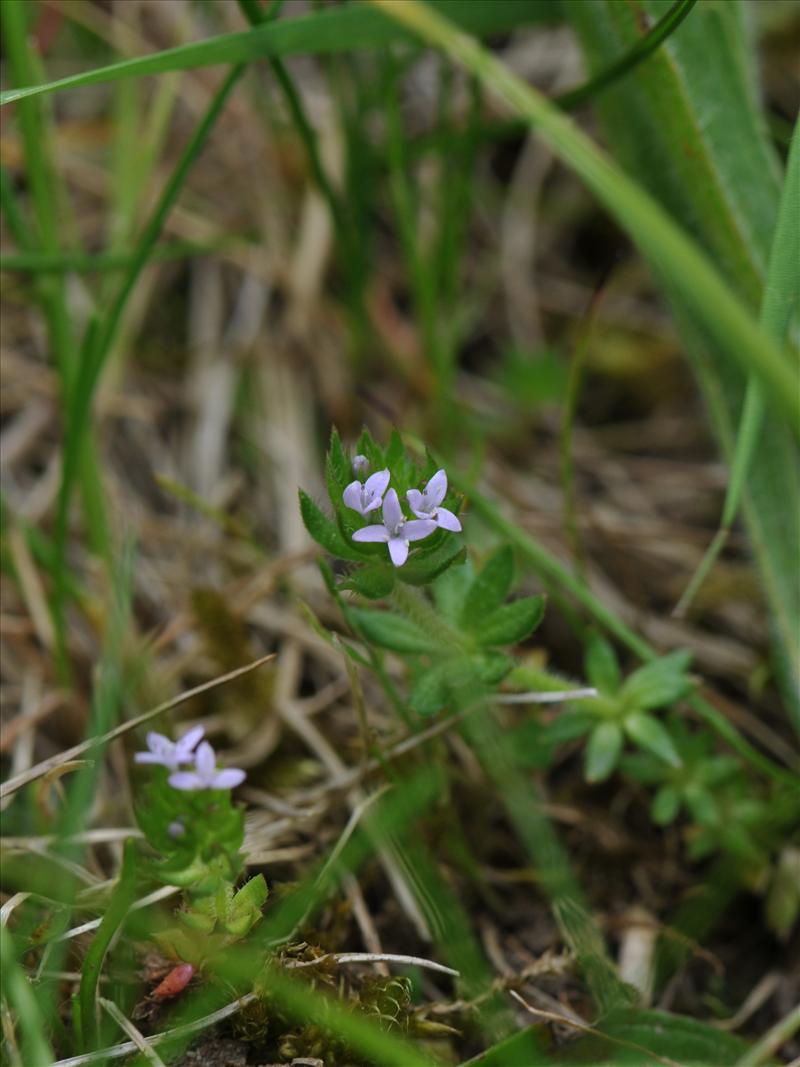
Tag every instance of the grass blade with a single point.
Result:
(699, 92)
(113, 917)
(635, 55)
(341, 30)
(100, 336)
(664, 243)
(778, 303)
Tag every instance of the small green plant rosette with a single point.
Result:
(622, 710)
(198, 834)
(691, 786)
(376, 576)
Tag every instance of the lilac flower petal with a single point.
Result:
(190, 738)
(186, 780)
(392, 513)
(372, 505)
(398, 550)
(436, 490)
(204, 760)
(229, 778)
(352, 496)
(371, 533)
(447, 520)
(158, 742)
(376, 484)
(360, 464)
(416, 529)
(416, 502)
(161, 750)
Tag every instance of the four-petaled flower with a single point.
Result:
(168, 753)
(360, 465)
(426, 504)
(205, 774)
(397, 531)
(369, 496)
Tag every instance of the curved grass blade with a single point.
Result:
(341, 30)
(33, 262)
(779, 301)
(118, 908)
(699, 92)
(638, 52)
(20, 994)
(101, 336)
(671, 252)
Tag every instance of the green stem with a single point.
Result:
(643, 48)
(763, 1050)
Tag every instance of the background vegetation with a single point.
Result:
(548, 245)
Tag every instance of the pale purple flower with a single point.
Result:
(168, 753)
(397, 531)
(369, 496)
(205, 774)
(426, 504)
(360, 465)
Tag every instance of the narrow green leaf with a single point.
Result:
(602, 665)
(374, 581)
(429, 693)
(450, 591)
(338, 469)
(423, 568)
(646, 1038)
(665, 806)
(511, 623)
(635, 55)
(391, 631)
(491, 667)
(701, 804)
(119, 905)
(523, 1049)
(603, 751)
(20, 994)
(490, 587)
(324, 531)
(658, 683)
(344, 29)
(567, 726)
(650, 735)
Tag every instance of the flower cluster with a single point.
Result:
(175, 754)
(397, 531)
